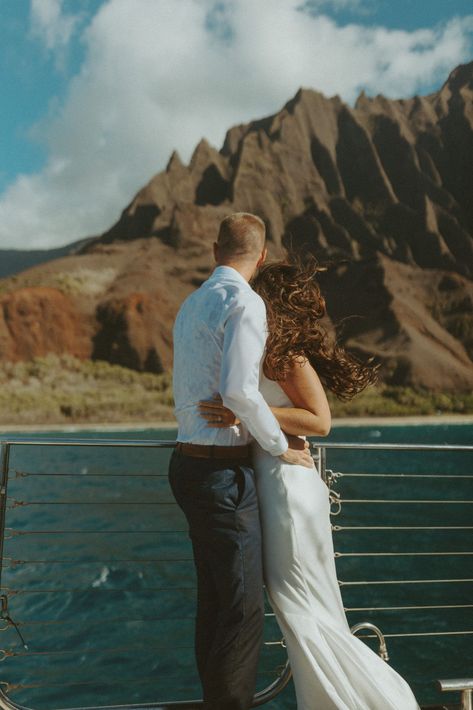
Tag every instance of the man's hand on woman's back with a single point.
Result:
(298, 452)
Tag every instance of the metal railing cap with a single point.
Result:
(455, 684)
(160, 443)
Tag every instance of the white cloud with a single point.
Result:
(160, 74)
(52, 26)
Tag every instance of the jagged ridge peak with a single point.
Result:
(394, 163)
(174, 162)
(460, 77)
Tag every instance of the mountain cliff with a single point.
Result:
(380, 191)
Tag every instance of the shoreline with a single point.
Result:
(171, 424)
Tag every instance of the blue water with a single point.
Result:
(99, 576)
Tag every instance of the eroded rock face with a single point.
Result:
(382, 189)
(409, 318)
(130, 333)
(41, 320)
(388, 176)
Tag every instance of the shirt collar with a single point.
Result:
(228, 273)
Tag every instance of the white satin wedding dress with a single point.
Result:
(332, 669)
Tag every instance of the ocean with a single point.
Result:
(98, 574)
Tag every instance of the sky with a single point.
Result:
(96, 94)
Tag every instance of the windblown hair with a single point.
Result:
(295, 306)
(241, 235)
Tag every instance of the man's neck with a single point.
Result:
(244, 269)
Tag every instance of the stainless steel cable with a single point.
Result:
(401, 554)
(18, 533)
(79, 474)
(107, 620)
(14, 563)
(339, 528)
(69, 590)
(408, 608)
(403, 581)
(11, 688)
(403, 501)
(447, 476)
(11, 653)
(337, 474)
(98, 622)
(25, 503)
(422, 633)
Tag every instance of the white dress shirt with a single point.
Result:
(219, 339)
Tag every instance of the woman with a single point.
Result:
(332, 669)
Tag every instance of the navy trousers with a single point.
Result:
(219, 500)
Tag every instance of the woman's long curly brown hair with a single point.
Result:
(295, 306)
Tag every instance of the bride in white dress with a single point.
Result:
(332, 669)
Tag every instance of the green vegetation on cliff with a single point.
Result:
(389, 401)
(65, 390)
(61, 390)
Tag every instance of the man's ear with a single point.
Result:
(262, 258)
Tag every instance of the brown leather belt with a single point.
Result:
(204, 451)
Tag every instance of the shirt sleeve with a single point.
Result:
(243, 347)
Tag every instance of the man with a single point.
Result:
(219, 340)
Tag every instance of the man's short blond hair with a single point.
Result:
(241, 236)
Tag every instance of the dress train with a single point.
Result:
(332, 669)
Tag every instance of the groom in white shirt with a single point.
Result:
(219, 340)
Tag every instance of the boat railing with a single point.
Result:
(385, 535)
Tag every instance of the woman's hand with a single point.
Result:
(217, 416)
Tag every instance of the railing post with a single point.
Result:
(323, 463)
(4, 462)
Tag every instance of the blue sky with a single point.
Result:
(31, 79)
(96, 93)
